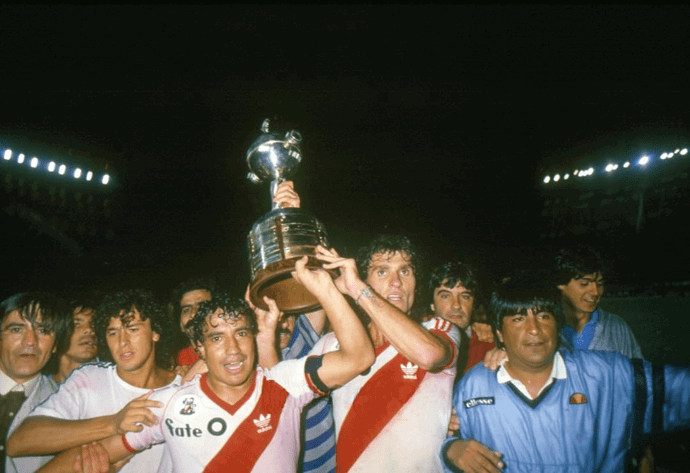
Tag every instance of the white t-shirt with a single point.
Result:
(94, 390)
(395, 417)
(259, 433)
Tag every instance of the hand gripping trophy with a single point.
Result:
(282, 236)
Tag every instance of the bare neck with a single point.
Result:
(147, 377)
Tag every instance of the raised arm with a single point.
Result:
(43, 435)
(429, 351)
(356, 354)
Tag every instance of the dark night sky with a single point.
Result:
(431, 120)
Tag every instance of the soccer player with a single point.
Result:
(394, 417)
(551, 409)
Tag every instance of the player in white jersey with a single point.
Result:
(102, 399)
(237, 416)
(395, 417)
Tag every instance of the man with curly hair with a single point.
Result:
(106, 398)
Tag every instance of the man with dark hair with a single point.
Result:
(580, 278)
(78, 345)
(551, 409)
(240, 417)
(185, 302)
(102, 399)
(454, 288)
(29, 325)
(416, 362)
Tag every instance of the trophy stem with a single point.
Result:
(274, 187)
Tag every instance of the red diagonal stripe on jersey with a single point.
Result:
(246, 444)
(375, 405)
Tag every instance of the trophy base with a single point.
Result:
(276, 282)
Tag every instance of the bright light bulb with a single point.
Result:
(105, 179)
(643, 160)
(77, 173)
(34, 162)
(547, 179)
(663, 156)
(683, 151)
(62, 169)
(556, 178)
(8, 154)
(627, 164)
(20, 158)
(575, 172)
(51, 166)
(89, 176)
(565, 178)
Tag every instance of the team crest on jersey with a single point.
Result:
(479, 401)
(578, 398)
(263, 423)
(409, 370)
(188, 406)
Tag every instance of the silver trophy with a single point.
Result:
(282, 236)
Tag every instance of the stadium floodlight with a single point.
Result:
(643, 160)
(556, 178)
(547, 179)
(20, 158)
(626, 164)
(89, 176)
(51, 166)
(34, 162)
(8, 154)
(663, 156)
(566, 177)
(62, 169)
(77, 173)
(683, 151)
(609, 168)
(105, 179)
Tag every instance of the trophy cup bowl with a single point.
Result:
(282, 236)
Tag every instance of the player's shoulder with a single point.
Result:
(93, 370)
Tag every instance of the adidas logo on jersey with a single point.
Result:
(263, 423)
(409, 370)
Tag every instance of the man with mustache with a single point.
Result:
(28, 328)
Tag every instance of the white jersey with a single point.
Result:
(395, 417)
(93, 390)
(259, 433)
